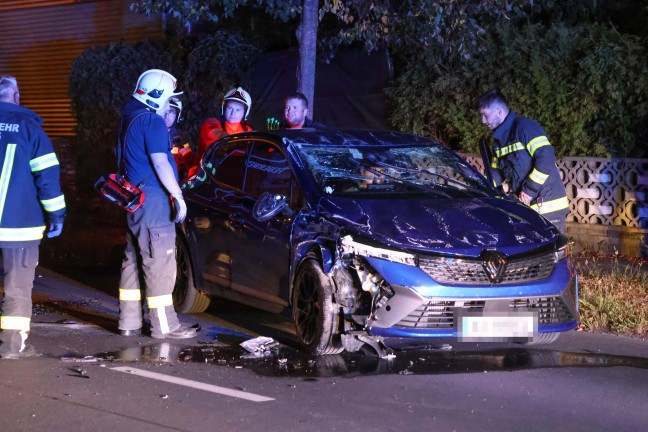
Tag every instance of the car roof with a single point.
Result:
(342, 137)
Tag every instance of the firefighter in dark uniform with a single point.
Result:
(31, 203)
(524, 157)
(149, 255)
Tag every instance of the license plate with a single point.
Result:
(497, 327)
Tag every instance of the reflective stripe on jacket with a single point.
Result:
(30, 192)
(525, 158)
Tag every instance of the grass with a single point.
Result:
(613, 295)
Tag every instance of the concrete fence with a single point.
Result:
(608, 203)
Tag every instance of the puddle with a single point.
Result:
(289, 362)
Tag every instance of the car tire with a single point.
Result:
(186, 298)
(314, 314)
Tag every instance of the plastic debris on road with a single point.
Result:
(260, 346)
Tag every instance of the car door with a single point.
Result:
(260, 260)
(215, 212)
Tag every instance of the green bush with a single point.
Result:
(102, 80)
(586, 84)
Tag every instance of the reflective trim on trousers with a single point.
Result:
(160, 301)
(14, 323)
(130, 294)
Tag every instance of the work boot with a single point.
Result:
(27, 351)
(181, 332)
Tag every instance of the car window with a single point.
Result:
(399, 169)
(267, 171)
(229, 162)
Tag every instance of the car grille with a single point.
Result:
(440, 314)
(472, 271)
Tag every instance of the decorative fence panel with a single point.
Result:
(610, 192)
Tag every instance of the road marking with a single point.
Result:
(194, 384)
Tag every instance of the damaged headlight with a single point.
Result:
(352, 247)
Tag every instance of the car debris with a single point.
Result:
(260, 346)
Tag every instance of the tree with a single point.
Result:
(454, 25)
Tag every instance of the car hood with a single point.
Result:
(457, 226)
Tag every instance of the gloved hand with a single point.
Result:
(54, 229)
(179, 207)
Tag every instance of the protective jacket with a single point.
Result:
(211, 131)
(30, 192)
(523, 156)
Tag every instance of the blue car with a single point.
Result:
(370, 237)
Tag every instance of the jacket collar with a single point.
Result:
(502, 131)
(6, 106)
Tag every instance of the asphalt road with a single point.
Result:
(86, 377)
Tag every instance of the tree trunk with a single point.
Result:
(307, 38)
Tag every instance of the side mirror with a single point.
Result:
(268, 206)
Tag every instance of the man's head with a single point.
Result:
(154, 88)
(493, 108)
(172, 113)
(295, 110)
(9, 90)
(236, 105)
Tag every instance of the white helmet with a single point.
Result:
(238, 95)
(176, 103)
(154, 87)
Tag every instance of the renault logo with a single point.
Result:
(494, 264)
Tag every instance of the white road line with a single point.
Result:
(194, 384)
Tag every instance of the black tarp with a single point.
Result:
(348, 90)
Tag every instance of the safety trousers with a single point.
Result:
(19, 271)
(149, 259)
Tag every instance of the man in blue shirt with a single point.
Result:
(149, 255)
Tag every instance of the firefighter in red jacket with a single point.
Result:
(31, 203)
(524, 157)
(235, 109)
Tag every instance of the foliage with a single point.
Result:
(217, 63)
(103, 78)
(613, 296)
(586, 84)
(452, 24)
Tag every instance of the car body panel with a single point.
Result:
(385, 245)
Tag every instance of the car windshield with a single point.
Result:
(341, 170)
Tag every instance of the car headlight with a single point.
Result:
(352, 247)
(562, 248)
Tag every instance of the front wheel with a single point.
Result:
(314, 316)
(186, 298)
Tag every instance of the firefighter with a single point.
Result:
(31, 203)
(181, 150)
(149, 255)
(524, 158)
(235, 109)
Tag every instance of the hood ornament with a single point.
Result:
(494, 264)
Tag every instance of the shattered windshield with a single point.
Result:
(340, 170)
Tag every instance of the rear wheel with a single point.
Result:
(186, 298)
(314, 315)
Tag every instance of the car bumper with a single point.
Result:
(434, 311)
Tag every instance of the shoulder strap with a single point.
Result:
(121, 138)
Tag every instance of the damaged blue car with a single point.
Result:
(370, 237)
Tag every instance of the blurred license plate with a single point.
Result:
(520, 325)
